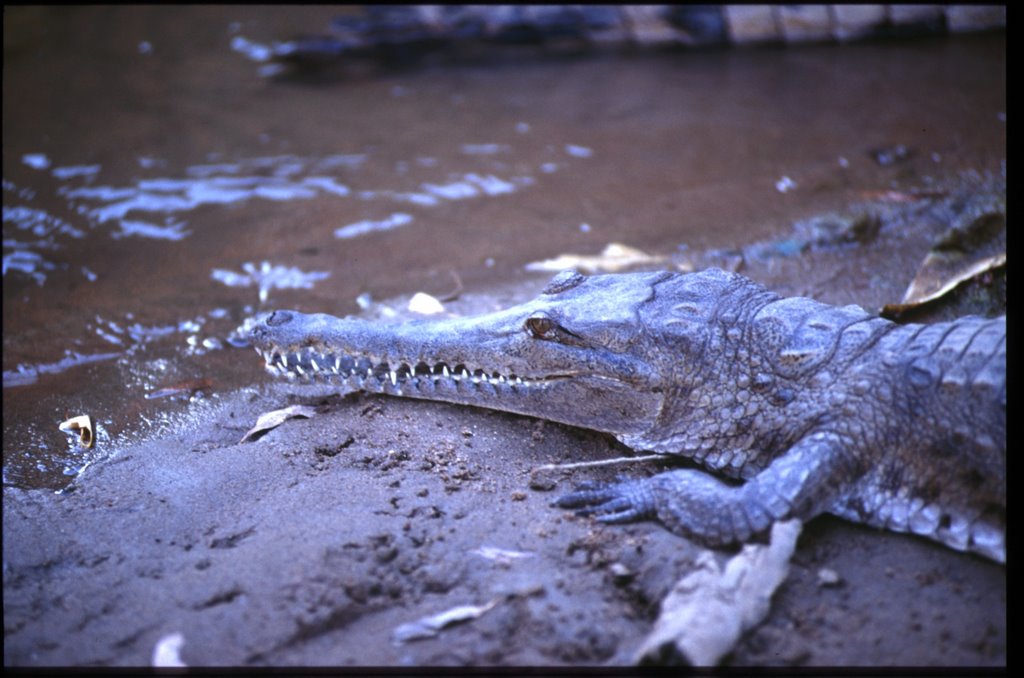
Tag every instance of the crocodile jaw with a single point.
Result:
(487, 361)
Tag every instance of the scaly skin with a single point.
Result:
(812, 408)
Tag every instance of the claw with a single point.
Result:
(625, 514)
(585, 494)
(620, 502)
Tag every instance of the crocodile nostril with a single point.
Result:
(278, 318)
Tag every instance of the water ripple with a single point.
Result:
(155, 207)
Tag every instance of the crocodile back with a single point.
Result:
(938, 459)
(921, 409)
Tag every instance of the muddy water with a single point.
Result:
(157, 191)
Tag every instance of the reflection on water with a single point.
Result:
(155, 207)
(367, 226)
(22, 375)
(186, 193)
(268, 277)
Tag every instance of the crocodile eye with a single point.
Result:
(540, 326)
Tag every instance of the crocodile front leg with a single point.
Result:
(800, 484)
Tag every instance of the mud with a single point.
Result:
(313, 544)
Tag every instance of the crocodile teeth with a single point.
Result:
(360, 370)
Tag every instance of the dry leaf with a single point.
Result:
(709, 609)
(614, 258)
(272, 420)
(182, 388)
(963, 252)
(903, 196)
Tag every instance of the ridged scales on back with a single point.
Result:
(822, 408)
(815, 408)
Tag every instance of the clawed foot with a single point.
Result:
(619, 502)
(688, 502)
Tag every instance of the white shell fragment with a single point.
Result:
(428, 627)
(499, 554)
(425, 304)
(829, 577)
(82, 424)
(167, 651)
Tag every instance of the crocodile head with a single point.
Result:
(577, 354)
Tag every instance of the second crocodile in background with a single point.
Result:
(812, 408)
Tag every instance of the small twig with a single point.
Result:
(602, 462)
(454, 294)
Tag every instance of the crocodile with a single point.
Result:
(786, 407)
(401, 34)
